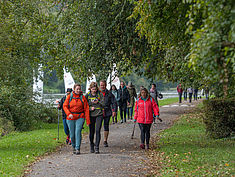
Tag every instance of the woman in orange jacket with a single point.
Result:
(77, 110)
(145, 109)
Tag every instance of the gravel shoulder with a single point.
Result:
(123, 157)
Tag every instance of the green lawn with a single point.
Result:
(186, 150)
(18, 150)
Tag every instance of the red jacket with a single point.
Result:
(144, 114)
(75, 107)
(179, 89)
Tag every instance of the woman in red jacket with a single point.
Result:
(77, 110)
(145, 107)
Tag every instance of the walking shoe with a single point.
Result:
(67, 140)
(106, 144)
(147, 146)
(70, 142)
(142, 146)
(92, 148)
(77, 152)
(97, 150)
(74, 151)
(121, 121)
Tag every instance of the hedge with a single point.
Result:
(219, 117)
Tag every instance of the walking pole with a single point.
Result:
(133, 131)
(58, 123)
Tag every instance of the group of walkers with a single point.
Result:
(99, 105)
(190, 92)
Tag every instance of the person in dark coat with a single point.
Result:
(132, 92)
(124, 100)
(180, 92)
(60, 107)
(110, 109)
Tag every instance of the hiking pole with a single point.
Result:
(58, 123)
(133, 131)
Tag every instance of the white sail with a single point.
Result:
(68, 80)
(38, 85)
(88, 82)
(114, 80)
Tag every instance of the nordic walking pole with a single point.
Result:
(133, 131)
(58, 123)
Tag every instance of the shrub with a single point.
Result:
(219, 117)
(17, 106)
(6, 126)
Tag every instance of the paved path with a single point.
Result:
(123, 157)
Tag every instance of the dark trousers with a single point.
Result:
(123, 108)
(95, 127)
(145, 133)
(106, 123)
(185, 96)
(195, 96)
(190, 97)
(180, 97)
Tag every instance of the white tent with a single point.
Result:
(88, 82)
(114, 80)
(38, 85)
(68, 80)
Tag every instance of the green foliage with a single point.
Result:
(219, 117)
(17, 106)
(212, 48)
(185, 150)
(191, 41)
(6, 126)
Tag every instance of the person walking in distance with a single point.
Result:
(77, 110)
(185, 94)
(195, 94)
(132, 92)
(180, 91)
(124, 100)
(109, 103)
(115, 93)
(155, 95)
(190, 93)
(145, 108)
(60, 107)
(96, 105)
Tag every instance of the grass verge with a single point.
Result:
(18, 150)
(185, 150)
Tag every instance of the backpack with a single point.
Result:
(89, 96)
(71, 97)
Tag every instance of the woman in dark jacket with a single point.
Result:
(124, 100)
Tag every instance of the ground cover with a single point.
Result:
(185, 150)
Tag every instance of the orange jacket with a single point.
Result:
(76, 108)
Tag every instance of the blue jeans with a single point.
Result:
(66, 128)
(130, 112)
(75, 129)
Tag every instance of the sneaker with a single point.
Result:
(74, 151)
(121, 121)
(147, 146)
(142, 146)
(106, 144)
(77, 152)
(97, 151)
(70, 142)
